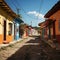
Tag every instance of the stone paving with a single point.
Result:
(9, 49)
(30, 49)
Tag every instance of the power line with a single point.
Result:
(11, 4)
(30, 16)
(23, 9)
(41, 3)
(17, 9)
(16, 4)
(40, 7)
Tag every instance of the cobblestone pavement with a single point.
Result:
(6, 52)
(30, 49)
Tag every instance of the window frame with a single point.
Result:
(10, 29)
(59, 25)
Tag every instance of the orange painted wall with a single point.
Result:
(56, 16)
(9, 38)
(1, 39)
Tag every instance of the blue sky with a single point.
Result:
(32, 11)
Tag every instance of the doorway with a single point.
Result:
(4, 30)
(14, 31)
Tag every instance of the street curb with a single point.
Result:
(51, 44)
(3, 46)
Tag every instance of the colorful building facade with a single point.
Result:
(6, 23)
(17, 23)
(25, 34)
(53, 22)
(42, 30)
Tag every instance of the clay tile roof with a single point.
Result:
(7, 9)
(41, 23)
(55, 8)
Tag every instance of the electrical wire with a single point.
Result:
(40, 8)
(16, 1)
(41, 3)
(17, 6)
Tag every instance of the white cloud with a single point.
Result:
(36, 14)
(32, 12)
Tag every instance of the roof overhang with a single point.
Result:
(18, 20)
(41, 23)
(49, 22)
(7, 9)
(55, 8)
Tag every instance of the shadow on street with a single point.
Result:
(33, 50)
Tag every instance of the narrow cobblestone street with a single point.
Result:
(29, 29)
(5, 52)
(30, 49)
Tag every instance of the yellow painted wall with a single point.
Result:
(8, 37)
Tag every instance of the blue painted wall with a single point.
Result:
(17, 31)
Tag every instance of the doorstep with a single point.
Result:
(53, 45)
(57, 46)
(50, 43)
(13, 42)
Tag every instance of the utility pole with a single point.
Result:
(31, 23)
(18, 10)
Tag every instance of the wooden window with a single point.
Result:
(59, 25)
(10, 29)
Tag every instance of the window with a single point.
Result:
(59, 25)
(10, 29)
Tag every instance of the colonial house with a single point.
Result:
(53, 23)
(42, 30)
(17, 34)
(6, 23)
(25, 34)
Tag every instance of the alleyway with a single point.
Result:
(31, 49)
(29, 30)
